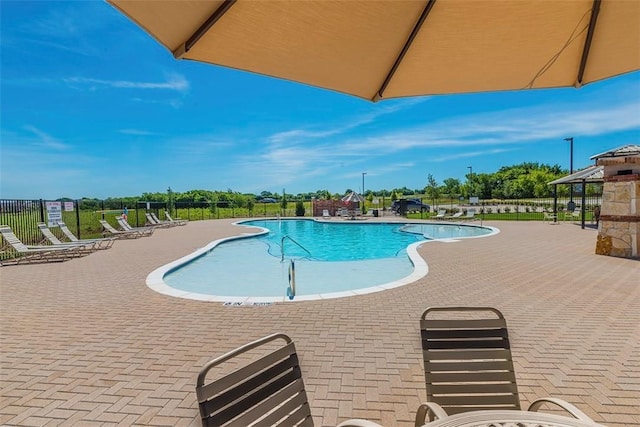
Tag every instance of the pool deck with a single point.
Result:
(87, 343)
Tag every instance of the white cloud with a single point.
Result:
(44, 140)
(175, 83)
(329, 151)
(469, 154)
(302, 135)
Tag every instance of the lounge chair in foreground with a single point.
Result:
(468, 364)
(258, 392)
(124, 224)
(441, 214)
(87, 247)
(119, 234)
(261, 386)
(101, 244)
(175, 221)
(36, 254)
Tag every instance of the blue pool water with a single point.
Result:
(330, 241)
(332, 259)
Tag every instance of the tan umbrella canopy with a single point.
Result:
(396, 48)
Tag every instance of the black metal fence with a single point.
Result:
(82, 216)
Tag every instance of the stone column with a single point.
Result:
(619, 227)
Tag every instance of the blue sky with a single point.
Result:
(91, 106)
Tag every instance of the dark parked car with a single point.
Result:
(413, 205)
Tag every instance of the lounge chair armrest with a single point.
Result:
(356, 422)
(574, 411)
(429, 411)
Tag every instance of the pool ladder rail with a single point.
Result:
(286, 236)
(291, 289)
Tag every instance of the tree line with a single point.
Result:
(521, 181)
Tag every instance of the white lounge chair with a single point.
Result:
(441, 214)
(573, 215)
(471, 215)
(175, 221)
(325, 213)
(551, 217)
(124, 224)
(87, 247)
(105, 243)
(36, 254)
(454, 216)
(119, 234)
(153, 221)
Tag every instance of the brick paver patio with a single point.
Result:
(87, 343)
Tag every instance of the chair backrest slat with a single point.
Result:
(472, 389)
(461, 366)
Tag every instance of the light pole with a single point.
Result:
(570, 140)
(470, 180)
(363, 207)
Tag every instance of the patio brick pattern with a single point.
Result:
(86, 343)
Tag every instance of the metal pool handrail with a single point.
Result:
(286, 236)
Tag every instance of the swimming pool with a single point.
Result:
(331, 260)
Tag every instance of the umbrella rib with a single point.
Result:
(219, 12)
(587, 44)
(404, 50)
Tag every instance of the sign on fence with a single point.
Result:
(54, 213)
(68, 206)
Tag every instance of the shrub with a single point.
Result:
(300, 210)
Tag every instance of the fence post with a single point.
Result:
(555, 202)
(78, 218)
(583, 207)
(41, 210)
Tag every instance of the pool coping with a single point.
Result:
(420, 269)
